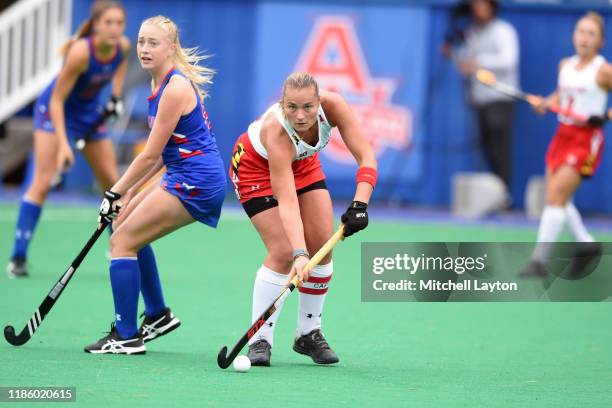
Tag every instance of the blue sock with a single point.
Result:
(150, 286)
(29, 213)
(125, 281)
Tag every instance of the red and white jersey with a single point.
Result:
(579, 91)
(302, 149)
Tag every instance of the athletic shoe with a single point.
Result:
(314, 345)
(259, 353)
(154, 327)
(114, 344)
(588, 249)
(534, 269)
(17, 268)
(586, 258)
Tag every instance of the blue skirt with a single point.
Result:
(201, 195)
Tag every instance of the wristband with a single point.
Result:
(367, 175)
(358, 205)
(300, 252)
(112, 195)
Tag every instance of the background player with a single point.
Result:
(192, 189)
(280, 183)
(585, 80)
(69, 108)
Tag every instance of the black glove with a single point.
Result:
(596, 121)
(355, 218)
(109, 208)
(114, 107)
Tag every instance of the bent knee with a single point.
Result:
(326, 259)
(557, 202)
(557, 196)
(41, 183)
(120, 245)
(37, 194)
(281, 254)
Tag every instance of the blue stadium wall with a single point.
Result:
(384, 57)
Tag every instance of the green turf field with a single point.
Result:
(392, 354)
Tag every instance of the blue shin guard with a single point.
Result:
(150, 285)
(125, 281)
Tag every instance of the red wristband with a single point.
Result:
(367, 175)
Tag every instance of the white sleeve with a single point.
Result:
(507, 53)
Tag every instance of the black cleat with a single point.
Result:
(259, 353)
(586, 258)
(114, 344)
(17, 268)
(588, 249)
(314, 345)
(534, 269)
(154, 327)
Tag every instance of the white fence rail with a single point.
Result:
(31, 32)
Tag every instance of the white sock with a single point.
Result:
(551, 225)
(312, 298)
(576, 226)
(268, 285)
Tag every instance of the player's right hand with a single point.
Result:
(110, 206)
(65, 157)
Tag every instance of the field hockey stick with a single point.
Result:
(223, 359)
(488, 78)
(46, 305)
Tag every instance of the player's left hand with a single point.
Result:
(114, 107)
(298, 269)
(355, 218)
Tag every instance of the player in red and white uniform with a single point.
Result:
(574, 153)
(279, 181)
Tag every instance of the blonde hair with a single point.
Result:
(597, 19)
(299, 80)
(186, 59)
(86, 27)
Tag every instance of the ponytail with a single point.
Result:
(188, 59)
(84, 30)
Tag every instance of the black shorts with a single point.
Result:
(259, 204)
